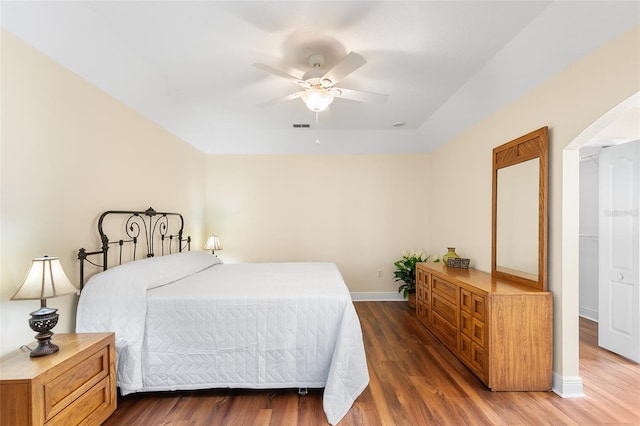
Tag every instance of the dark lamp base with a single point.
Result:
(45, 347)
(42, 321)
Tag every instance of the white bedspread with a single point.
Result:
(188, 322)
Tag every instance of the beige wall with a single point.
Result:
(68, 152)
(359, 211)
(567, 103)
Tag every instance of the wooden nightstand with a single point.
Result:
(75, 385)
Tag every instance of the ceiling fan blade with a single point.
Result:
(282, 74)
(346, 66)
(359, 96)
(290, 97)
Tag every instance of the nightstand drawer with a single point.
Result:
(75, 381)
(88, 408)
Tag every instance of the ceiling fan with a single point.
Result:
(319, 87)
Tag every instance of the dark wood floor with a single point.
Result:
(414, 381)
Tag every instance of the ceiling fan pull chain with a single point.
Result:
(317, 136)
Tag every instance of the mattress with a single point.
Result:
(188, 321)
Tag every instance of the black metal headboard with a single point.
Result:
(147, 227)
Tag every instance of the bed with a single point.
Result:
(184, 320)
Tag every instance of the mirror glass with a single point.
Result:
(517, 219)
(519, 215)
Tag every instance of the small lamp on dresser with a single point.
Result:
(213, 244)
(45, 279)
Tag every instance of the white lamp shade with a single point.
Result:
(213, 243)
(45, 279)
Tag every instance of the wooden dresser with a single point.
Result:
(501, 330)
(75, 385)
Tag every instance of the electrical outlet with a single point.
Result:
(379, 273)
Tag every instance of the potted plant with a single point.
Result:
(405, 273)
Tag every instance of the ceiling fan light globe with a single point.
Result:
(317, 99)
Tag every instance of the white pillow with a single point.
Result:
(155, 271)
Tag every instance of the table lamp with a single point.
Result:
(45, 279)
(213, 244)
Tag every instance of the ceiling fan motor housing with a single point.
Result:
(314, 77)
(316, 60)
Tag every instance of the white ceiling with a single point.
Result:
(187, 65)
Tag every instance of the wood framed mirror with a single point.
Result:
(519, 213)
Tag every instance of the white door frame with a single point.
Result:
(572, 386)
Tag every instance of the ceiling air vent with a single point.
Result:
(301, 126)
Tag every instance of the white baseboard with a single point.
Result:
(567, 387)
(376, 297)
(589, 314)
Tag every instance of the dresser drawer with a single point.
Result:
(466, 323)
(478, 306)
(444, 308)
(421, 291)
(472, 328)
(419, 275)
(478, 360)
(465, 347)
(465, 300)
(445, 288)
(75, 381)
(422, 312)
(472, 303)
(473, 356)
(444, 330)
(477, 332)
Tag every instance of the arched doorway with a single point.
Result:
(570, 225)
